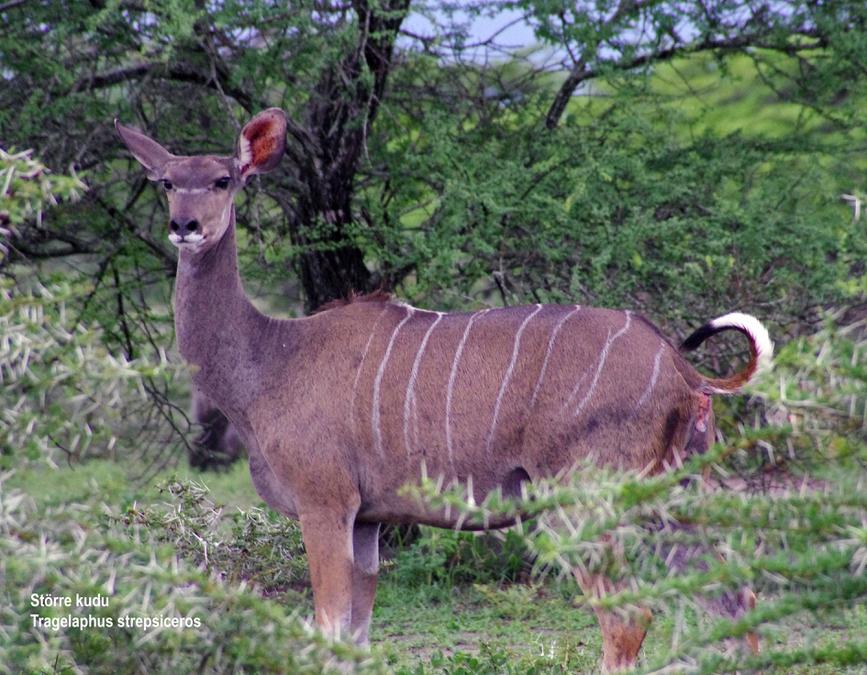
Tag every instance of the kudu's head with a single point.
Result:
(201, 189)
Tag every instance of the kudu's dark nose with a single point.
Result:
(183, 227)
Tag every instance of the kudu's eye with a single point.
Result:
(222, 183)
(167, 184)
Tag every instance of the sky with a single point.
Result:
(509, 27)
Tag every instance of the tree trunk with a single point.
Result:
(328, 150)
(324, 155)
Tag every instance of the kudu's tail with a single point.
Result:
(761, 350)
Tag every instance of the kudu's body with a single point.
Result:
(341, 409)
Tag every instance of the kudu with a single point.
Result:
(340, 409)
(218, 443)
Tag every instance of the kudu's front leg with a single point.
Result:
(328, 534)
(365, 545)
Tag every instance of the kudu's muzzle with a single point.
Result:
(183, 227)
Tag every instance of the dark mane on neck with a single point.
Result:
(353, 297)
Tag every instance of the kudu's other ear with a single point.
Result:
(262, 142)
(147, 151)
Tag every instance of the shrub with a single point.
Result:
(791, 525)
(257, 546)
(65, 396)
(74, 549)
(446, 557)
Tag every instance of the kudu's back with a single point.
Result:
(508, 394)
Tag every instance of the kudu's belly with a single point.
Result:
(612, 434)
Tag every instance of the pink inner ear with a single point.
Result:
(260, 138)
(263, 148)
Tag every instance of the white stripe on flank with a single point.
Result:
(508, 377)
(452, 377)
(401, 303)
(375, 416)
(415, 421)
(602, 357)
(548, 353)
(758, 333)
(574, 392)
(360, 368)
(650, 385)
(409, 398)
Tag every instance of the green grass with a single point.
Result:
(535, 625)
(77, 483)
(108, 480)
(450, 625)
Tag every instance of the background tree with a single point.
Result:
(679, 159)
(449, 168)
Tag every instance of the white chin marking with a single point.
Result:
(754, 327)
(191, 240)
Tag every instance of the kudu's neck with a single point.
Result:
(215, 269)
(219, 331)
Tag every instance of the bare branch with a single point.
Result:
(581, 73)
(177, 71)
(12, 4)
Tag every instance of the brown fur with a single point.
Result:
(378, 295)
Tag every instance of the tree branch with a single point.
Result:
(176, 71)
(12, 4)
(170, 262)
(581, 73)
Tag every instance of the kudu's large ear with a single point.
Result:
(147, 151)
(262, 142)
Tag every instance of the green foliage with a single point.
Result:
(627, 213)
(74, 549)
(821, 388)
(256, 545)
(446, 558)
(798, 540)
(64, 393)
(28, 189)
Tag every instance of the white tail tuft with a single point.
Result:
(756, 331)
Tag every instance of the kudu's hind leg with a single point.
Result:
(622, 636)
(731, 604)
(751, 640)
(365, 548)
